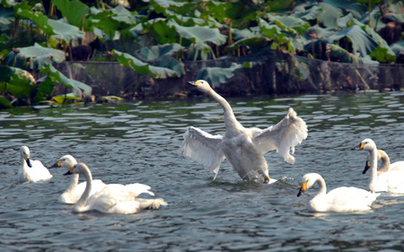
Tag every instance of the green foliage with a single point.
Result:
(79, 88)
(143, 68)
(64, 31)
(6, 17)
(163, 57)
(113, 21)
(199, 35)
(156, 39)
(337, 53)
(63, 99)
(4, 102)
(16, 82)
(37, 57)
(39, 19)
(217, 75)
(75, 12)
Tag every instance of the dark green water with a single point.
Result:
(127, 143)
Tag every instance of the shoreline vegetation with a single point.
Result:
(59, 52)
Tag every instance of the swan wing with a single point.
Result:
(72, 195)
(130, 207)
(393, 181)
(346, 199)
(38, 172)
(138, 189)
(283, 136)
(108, 197)
(204, 148)
(117, 198)
(397, 166)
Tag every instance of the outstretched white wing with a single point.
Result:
(204, 148)
(283, 137)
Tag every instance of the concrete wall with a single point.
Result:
(273, 73)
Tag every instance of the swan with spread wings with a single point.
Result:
(243, 147)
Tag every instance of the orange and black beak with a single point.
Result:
(192, 83)
(359, 147)
(303, 188)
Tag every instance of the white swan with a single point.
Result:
(339, 200)
(391, 181)
(243, 147)
(385, 166)
(74, 191)
(113, 198)
(31, 170)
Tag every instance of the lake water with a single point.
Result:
(139, 142)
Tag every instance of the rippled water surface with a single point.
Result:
(127, 143)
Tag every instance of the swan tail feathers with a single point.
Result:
(151, 203)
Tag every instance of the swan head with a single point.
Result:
(201, 85)
(308, 181)
(367, 144)
(79, 168)
(25, 155)
(67, 161)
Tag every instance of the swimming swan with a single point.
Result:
(74, 191)
(385, 166)
(113, 198)
(31, 170)
(339, 200)
(391, 181)
(243, 147)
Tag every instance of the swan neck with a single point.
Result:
(86, 194)
(73, 182)
(323, 188)
(385, 166)
(373, 169)
(229, 118)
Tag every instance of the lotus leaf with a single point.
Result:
(157, 52)
(200, 35)
(290, 23)
(62, 99)
(336, 53)
(39, 19)
(64, 31)
(398, 47)
(4, 103)
(6, 17)
(122, 15)
(160, 6)
(74, 11)
(111, 98)
(16, 81)
(38, 56)
(383, 53)
(55, 76)
(361, 42)
(217, 75)
(143, 68)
